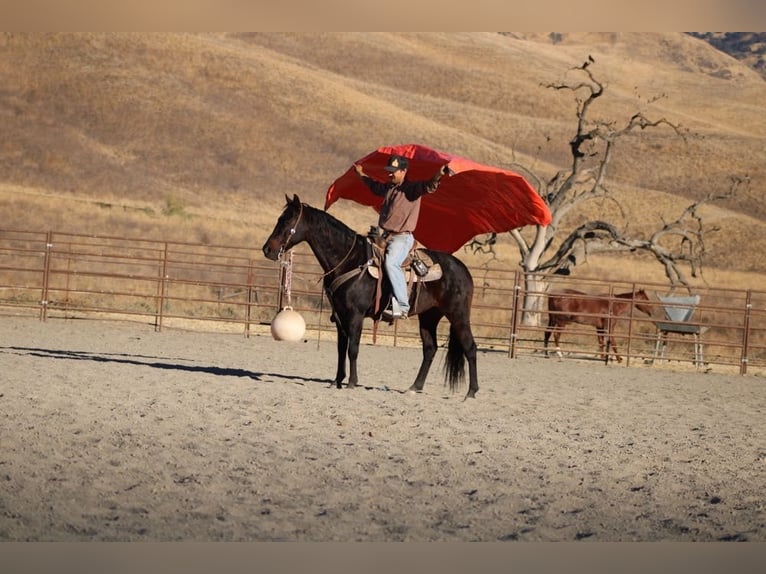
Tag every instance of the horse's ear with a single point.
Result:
(296, 199)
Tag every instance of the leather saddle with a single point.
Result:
(418, 266)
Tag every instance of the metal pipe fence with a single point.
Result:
(232, 288)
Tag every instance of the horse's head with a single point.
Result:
(639, 296)
(287, 232)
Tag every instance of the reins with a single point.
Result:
(353, 244)
(338, 280)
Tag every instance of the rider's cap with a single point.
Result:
(396, 162)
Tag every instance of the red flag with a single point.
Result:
(477, 199)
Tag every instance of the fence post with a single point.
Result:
(281, 285)
(46, 276)
(608, 335)
(319, 317)
(514, 315)
(630, 324)
(68, 284)
(161, 286)
(248, 309)
(746, 333)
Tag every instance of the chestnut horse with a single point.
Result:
(601, 311)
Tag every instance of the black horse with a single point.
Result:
(344, 256)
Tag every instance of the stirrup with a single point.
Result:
(390, 315)
(394, 311)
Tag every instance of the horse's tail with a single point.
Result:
(454, 367)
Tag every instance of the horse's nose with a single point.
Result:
(269, 252)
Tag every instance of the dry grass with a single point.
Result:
(199, 137)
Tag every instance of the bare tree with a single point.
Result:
(677, 245)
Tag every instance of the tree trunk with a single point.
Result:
(535, 286)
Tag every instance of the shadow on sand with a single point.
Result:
(175, 364)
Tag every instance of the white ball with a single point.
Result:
(288, 325)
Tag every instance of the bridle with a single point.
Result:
(292, 232)
(288, 263)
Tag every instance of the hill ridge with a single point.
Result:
(227, 123)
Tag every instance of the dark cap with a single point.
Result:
(396, 162)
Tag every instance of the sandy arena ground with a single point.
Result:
(110, 431)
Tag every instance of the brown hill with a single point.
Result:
(199, 136)
(748, 47)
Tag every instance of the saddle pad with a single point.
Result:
(434, 273)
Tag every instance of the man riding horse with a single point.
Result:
(398, 219)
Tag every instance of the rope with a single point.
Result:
(288, 279)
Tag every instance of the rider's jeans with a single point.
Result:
(396, 252)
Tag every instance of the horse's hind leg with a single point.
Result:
(546, 338)
(554, 330)
(557, 339)
(461, 347)
(428, 321)
(469, 348)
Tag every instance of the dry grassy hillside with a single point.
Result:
(199, 136)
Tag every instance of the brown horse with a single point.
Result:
(601, 311)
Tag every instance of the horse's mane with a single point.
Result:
(620, 295)
(629, 293)
(331, 220)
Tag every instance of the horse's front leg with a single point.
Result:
(342, 347)
(614, 346)
(354, 337)
(602, 343)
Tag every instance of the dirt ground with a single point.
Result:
(110, 431)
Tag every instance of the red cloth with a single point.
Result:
(477, 199)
